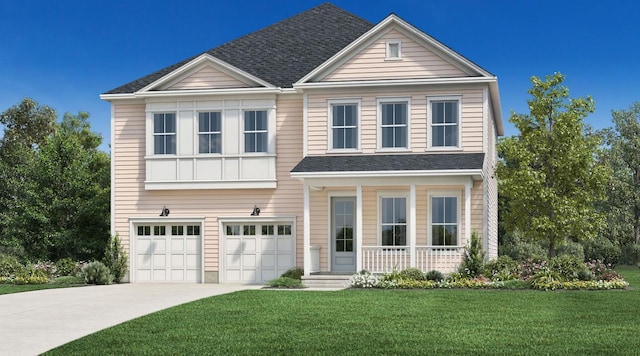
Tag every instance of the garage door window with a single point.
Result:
(193, 230)
(177, 230)
(144, 230)
(249, 230)
(267, 230)
(284, 229)
(233, 230)
(159, 230)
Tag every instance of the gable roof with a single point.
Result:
(280, 54)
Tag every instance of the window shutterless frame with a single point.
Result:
(393, 210)
(256, 131)
(393, 49)
(444, 122)
(394, 124)
(445, 211)
(343, 123)
(164, 133)
(209, 132)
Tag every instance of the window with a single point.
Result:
(164, 134)
(444, 221)
(177, 230)
(394, 49)
(144, 230)
(233, 230)
(159, 230)
(394, 124)
(249, 230)
(445, 123)
(344, 126)
(193, 230)
(255, 131)
(284, 229)
(209, 132)
(393, 220)
(267, 230)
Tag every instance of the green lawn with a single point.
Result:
(17, 288)
(371, 322)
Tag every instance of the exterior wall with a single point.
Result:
(492, 189)
(207, 78)
(417, 62)
(132, 200)
(471, 116)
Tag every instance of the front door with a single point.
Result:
(343, 222)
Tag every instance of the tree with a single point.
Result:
(623, 156)
(549, 171)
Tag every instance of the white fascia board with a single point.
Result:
(109, 97)
(193, 92)
(165, 219)
(382, 174)
(395, 82)
(195, 185)
(248, 218)
(497, 107)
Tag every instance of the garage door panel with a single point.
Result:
(249, 245)
(268, 274)
(268, 244)
(249, 275)
(177, 245)
(143, 275)
(144, 245)
(249, 261)
(233, 246)
(143, 261)
(159, 275)
(177, 275)
(192, 245)
(285, 260)
(177, 261)
(285, 244)
(192, 261)
(159, 245)
(233, 260)
(267, 260)
(232, 275)
(191, 275)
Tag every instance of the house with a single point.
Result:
(323, 141)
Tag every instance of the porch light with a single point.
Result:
(164, 212)
(256, 211)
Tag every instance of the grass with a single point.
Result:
(369, 322)
(60, 282)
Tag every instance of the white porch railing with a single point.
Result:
(384, 259)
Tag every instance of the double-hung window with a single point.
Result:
(444, 122)
(344, 126)
(255, 131)
(164, 133)
(209, 132)
(444, 221)
(393, 221)
(394, 124)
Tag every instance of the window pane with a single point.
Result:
(387, 114)
(401, 137)
(216, 143)
(387, 137)
(170, 123)
(203, 143)
(261, 120)
(437, 133)
(339, 245)
(387, 210)
(401, 114)
(170, 144)
(261, 142)
(400, 205)
(451, 112)
(400, 235)
(203, 122)
(338, 115)
(250, 142)
(348, 245)
(451, 210)
(451, 136)
(338, 138)
(451, 234)
(215, 122)
(387, 235)
(158, 144)
(350, 138)
(437, 235)
(437, 210)
(249, 120)
(350, 115)
(158, 123)
(437, 112)
(394, 50)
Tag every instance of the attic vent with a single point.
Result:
(394, 50)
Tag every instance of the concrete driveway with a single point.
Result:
(34, 322)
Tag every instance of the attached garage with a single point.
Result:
(255, 252)
(168, 252)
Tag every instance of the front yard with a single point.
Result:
(384, 322)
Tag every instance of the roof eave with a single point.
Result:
(475, 173)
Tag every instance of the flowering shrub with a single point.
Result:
(363, 279)
(530, 268)
(503, 268)
(416, 284)
(48, 267)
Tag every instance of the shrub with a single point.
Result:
(285, 282)
(412, 274)
(597, 268)
(584, 274)
(571, 248)
(434, 275)
(295, 273)
(520, 250)
(631, 254)
(566, 266)
(363, 279)
(115, 259)
(66, 267)
(67, 280)
(602, 249)
(97, 273)
(473, 258)
(31, 274)
(546, 280)
(48, 267)
(530, 268)
(392, 276)
(503, 268)
(9, 267)
(416, 284)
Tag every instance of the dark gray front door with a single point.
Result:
(343, 234)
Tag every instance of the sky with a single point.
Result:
(65, 53)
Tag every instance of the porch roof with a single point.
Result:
(389, 163)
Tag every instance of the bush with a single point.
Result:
(32, 274)
(503, 268)
(571, 248)
(584, 274)
(67, 267)
(434, 275)
(530, 268)
(520, 250)
(285, 282)
(473, 258)
(115, 259)
(602, 249)
(566, 266)
(9, 267)
(295, 273)
(412, 274)
(97, 273)
(67, 280)
(631, 254)
(363, 279)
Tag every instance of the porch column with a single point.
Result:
(412, 225)
(467, 211)
(306, 232)
(358, 228)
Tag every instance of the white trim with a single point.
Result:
(386, 181)
(306, 238)
(497, 108)
(194, 93)
(112, 193)
(359, 227)
(391, 194)
(228, 184)
(330, 196)
(449, 193)
(467, 212)
(305, 124)
(374, 174)
(485, 120)
(392, 100)
(343, 101)
(387, 47)
(437, 98)
(394, 82)
(413, 234)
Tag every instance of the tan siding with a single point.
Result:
(318, 117)
(208, 78)
(417, 62)
(131, 200)
(477, 208)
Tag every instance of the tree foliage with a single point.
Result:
(549, 171)
(58, 203)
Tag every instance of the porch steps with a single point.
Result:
(326, 281)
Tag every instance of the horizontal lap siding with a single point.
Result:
(131, 200)
(417, 62)
(318, 116)
(492, 190)
(208, 78)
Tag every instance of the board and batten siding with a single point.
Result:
(132, 200)
(207, 78)
(318, 116)
(417, 62)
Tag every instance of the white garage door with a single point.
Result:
(168, 253)
(256, 253)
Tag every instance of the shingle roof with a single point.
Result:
(284, 52)
(399, 162)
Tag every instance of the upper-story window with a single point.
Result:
(164, 133)
(394, 50)
(444, 122)
(394, 124)
(255, 131)
(209, 132)
(344, 126)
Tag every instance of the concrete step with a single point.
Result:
(326, 281)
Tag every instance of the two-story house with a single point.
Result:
(323, 141)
